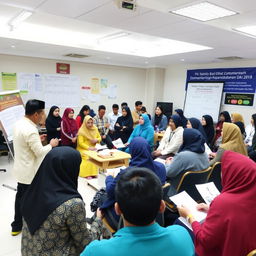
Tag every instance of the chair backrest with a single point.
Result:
(215, 175)
(252, 253)
(190, 179)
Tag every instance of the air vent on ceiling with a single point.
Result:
(230, 58)
(75, 55)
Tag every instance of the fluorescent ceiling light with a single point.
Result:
(248, 30)
(113, 36)
(22, 16)
(129, 43)
(204, 11)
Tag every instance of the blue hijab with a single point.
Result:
(177, 120)
(141, 154)
(196, 124)
(146, 124)
(183, 118)
(192, 141)
(141, 157)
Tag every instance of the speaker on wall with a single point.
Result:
(167, 108)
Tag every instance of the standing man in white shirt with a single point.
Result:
(112, 117)
(29, 153)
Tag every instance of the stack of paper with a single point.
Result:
(118, 143)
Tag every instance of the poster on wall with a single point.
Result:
(112, 91)
(103, 86)
(86, 91)
(9, 81)
(236, 80)
(239, 99)
(95, 85)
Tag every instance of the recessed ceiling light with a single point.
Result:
(248, 30)
(204, 11)
(146, 62)
(182, 59)
(13, 46)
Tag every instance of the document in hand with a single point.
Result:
(118, 143)
(184, 199)
(100, 147)
(208, 191)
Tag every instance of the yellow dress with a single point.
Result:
(86, 168)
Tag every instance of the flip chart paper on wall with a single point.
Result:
(62, 90)
(203, 98)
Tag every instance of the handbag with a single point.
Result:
(98, 199)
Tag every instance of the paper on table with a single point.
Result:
(208, 191)
(184, 199)
(118, 143)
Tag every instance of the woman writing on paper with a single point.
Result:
(230, 223)
(88, 136)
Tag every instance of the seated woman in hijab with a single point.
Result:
(124, 125)
(224, 117)
(191, 157)
(183, 118)
(229, 226)
(172, 139)
(144, 130)
(196, 124)
(54, 211)
(140, 157)
(231, 140)
(207, 123)
(69, 128)
(88, 136)
(53, 123)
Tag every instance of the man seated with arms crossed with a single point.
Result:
(139, 199)
(29, 153)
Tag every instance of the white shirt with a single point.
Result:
(28, 150)
(171, 141)
(249, 130)
(112, 120)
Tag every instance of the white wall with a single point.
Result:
(175, 81)
(131, 82)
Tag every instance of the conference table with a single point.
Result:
(118, 158)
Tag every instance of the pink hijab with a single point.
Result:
(230, 226)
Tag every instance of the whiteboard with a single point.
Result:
(203, 98)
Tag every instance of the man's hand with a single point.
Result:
(107, 125)
(103, 137)
(54, 142)
(43, 137)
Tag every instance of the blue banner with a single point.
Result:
(236, 80)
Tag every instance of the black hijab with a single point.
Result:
(81, 112)
(125, 120)
(183, 118)
(192, 141)
(209, 128)
(196, 124)
(51, 120)
(241, 127)
(54, 184)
